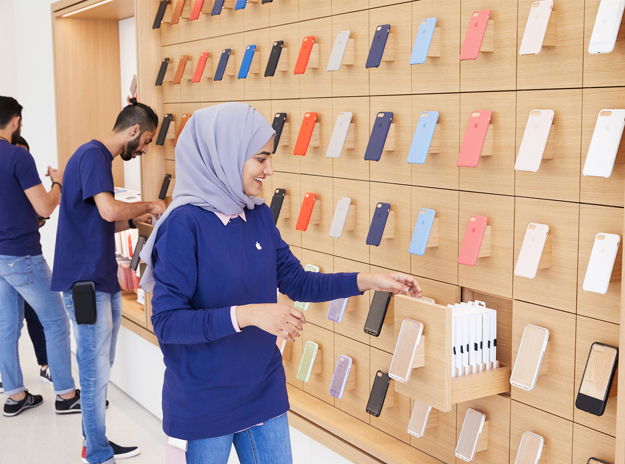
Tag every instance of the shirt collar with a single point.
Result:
(224, 218)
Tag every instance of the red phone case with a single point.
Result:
(306, 211)
(183, 122)
(304, 55)
(472, 241)
(180, 71)
(474, 138)
(199, 70)
(475, 35)
(305, 133)
(197, 9)
(175, 16)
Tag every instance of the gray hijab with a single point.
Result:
(210, 154)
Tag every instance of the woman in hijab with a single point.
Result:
(215, 259)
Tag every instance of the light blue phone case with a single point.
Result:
(422, 139)
(341, 373)
(246, 62)
(422, 41)
(421, 233)
(337, 309)
(241, 4)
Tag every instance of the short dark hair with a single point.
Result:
(136, 113)
(21, 141)
(9, 108)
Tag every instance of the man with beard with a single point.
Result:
(85, 257)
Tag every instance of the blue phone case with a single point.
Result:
(379, 133)
(221, 67)
(337, 309)
(247, 61)
(421, 233)
(378, 223)
(341, 373)
(240, 4)
(217, 6)
(422, 139)
(422, 41)
(377, 46)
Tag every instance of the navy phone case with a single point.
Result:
(223, 62)
(160, 140)
(377, 46)
(217, 6)
(247, 61)
(378, 223)
(162, 71)
(378, 136)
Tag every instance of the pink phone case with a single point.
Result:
(475, 35)
(472, 241)
(474, 138)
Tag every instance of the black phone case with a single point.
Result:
(223, 62)
(276, 204)
(588, 403)
(595, 460)
(85, 309)
(378, 223)
(274, 57)
(217, 6)
(160, 140)
(164, 187)
(278, 124)
(377, 313)
(159, 14)
(379, 133)
(134, 262)
(162, 71)
(378, 394)
(266, 1)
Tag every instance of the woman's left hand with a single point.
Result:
(394, 282)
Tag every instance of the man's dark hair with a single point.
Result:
(9, 108)
(136, 113)
(21, 141)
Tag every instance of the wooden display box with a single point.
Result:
(291, 206)
(357, 308)
(317, 312)
(230, 20)
(353, 243)
(440, 436)
(171, 92)
(256, 16)
(256, 85)
(352, 79)
(287, 11)
(168, 147)
(319, 383)
(209, 25)
(284, 84)
(590, 443)
(315, 161)
(350, 165)
(316, 236)
(190, 92)
(358, 386)
(230, 88)
(209, 90)
(316, 82)
(189, 30)
(283, 159)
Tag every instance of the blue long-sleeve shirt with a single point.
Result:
(218, 381)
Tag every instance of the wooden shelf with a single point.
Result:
(132, 309)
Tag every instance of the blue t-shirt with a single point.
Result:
(85, 243)
(19, 222)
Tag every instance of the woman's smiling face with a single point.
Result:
(256, 169)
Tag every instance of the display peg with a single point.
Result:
(435, 145)
(316, 369)
(482, 444)
(488, 44)
(614, 388)
(283, 61)
(389, 319)
(348, 56)
(187, 74)
(169, 74)
(315, 216)
(545, 365)
(255, 64)
(313, 59)
(389, 228)
(616, 270)
(186, 11)
(350, 138)
(419, 359)
(432, 419)
(551, 35)
(253, 1)
(435, 45)
(487, 148)
(351, 305)
(485, 249)
(171, 130)
(434, 239)
(208, 72)
(229, 4)
(229, 71)
(168, 13)
(389, 400)
(315, 137)
(351, 380)
(350, 221)
(284, 137)
(550, 146)
(545, 257)
(389, 49)
(389, 145)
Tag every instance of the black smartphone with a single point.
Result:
(377, 313)
(276, 203)
(160, 140)
(162, 71)
(597, 379)
(379, 133)
(85, 309)
(159, 14)
(164, 187)
(378, 393)
(223, 62)
(378, 223)
(134, 262)
(217, 6)
(278, 124)
(274, 57)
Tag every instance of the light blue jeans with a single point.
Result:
(28, 278)
(269, 443)
(95, 354)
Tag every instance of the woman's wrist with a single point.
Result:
(244, 316)
(362, 280)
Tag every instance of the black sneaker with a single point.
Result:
(71, 406)
(44, 375)
(119, 452)
(13, 408)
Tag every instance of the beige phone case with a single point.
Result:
(598, 371)
(531, 250)
(470, 434)
(530, 449)
(405, 350)
(529, 357)
(419, 419)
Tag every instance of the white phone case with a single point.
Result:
(534, 140)
(531, 250)
(529, 358)
(536, 27)
(604, 143)
(607, 25)
(340, 216)
(530, 449)
(419, 419)
(601, 263)
(405, 350)
(341, 127)
(470, 435)
(336, 57)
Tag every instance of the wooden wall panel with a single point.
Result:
(284, 159)
(353, 243)
(319, 384)
(317, 82)
(315, 161)
(284, 84)
(291, 206)
(351, 165)
(354, 401)
(588, 443)
(353, 79)
(357, 310)
(257, 86)
(256, 16)
(316, 236)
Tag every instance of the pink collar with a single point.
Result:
(225, 218)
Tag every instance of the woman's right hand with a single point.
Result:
(274, 318)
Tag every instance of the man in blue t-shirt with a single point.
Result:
(24, 273)
(89, 217)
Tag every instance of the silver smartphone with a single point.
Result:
(336, 57)
(339, 134)
(340, 216)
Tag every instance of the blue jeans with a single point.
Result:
(28, 278)
(269, 443)
(95, 353)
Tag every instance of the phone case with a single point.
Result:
(338, 51)
(306, 211)
(303, 306)
(175, 15)
(405, 350)
(305, 133)
(422, 41)
(240, 5)
(339, 134)
(133, 87)
(217, 6)
(134, 262)
(607, 25)
(160, 140)
(380, 36)
(199, 69)
(266, 1)
(85, 309)
(381, 126)
(183, 122)
(423, 134)
(596, 461)
(223, 62)
(197, 10)
(597, 379)
(276, 203)
(159, 14)
(529, 358)
(534, 140)
(474, 138)
(377, 313)
(307, 362)
(531, 250)
(472, 241)
(475, 35)
(180, 70)
(337, 309)
(164, 187)
(341, 373)
(162, 71)
(340, 216)
(378, 393)
(470, 434)
(378, 223)
(246, 62)
(601, 263)
(536, 27)
(304, 55)
(274, 57)
(604, 143)
(277, 125)
(530, 449)
(419, 419)
(421, 233)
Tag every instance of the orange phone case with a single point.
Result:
(180, 71)
(304, 55)
(183, 122)
(472, 241)
(175, 16)
(306, 211)
(305, 133)
(199, 70)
